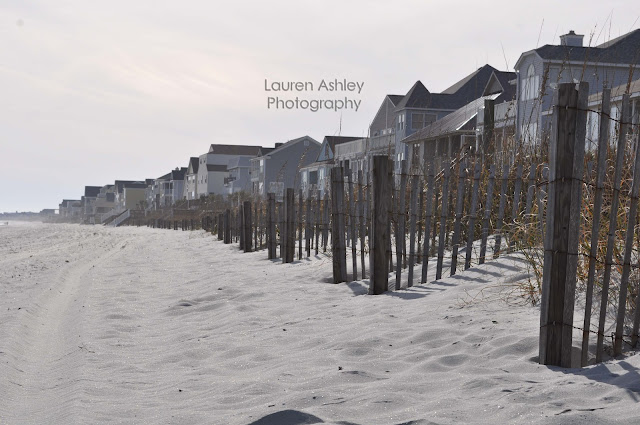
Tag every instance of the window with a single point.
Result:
(530, 84)
(401, 122)
(417, 121)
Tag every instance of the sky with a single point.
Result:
(95, 91)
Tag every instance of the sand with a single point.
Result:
(137, 325)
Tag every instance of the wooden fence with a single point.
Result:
(472, 209)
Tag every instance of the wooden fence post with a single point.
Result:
(291, 226)
(246, 213)
(613, 220)
(444, 209)
(628, 246)
(566, 154)
(415, 180)
(361, 221)
(338, 248)
(300, 212)
(379, 240)
(227, 226)
(515, 211)
(603, 138)
(271, 226)
(400, 222)
(428, 217)
(353, 219)
(473, 213)
(462, 174)
(501, 208)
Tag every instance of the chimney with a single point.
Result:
(571, 39)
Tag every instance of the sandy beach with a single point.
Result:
(136, 325)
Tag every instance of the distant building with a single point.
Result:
(238, 179)
(191, 179)
(540, 71)
(315, 176)
(279, 168)
(212, 166)
(420, 108)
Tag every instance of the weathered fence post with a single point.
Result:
(428, 216)
(400, 222)
(628, 246)
(412, 228)
(246, 214)
(501, 208)
(462, 174)
(271, 226)
(603, 138)
(613, 220)
(338, 248)
(379, 240)
(227, 226)
(473, 213)
(290, 226)
(444, 209)
(300, 212)
(361, 221)
(566, 165)
(353, 219)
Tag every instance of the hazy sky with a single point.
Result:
(97, 91)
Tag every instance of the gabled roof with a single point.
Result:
(621, 50)
(92, 191)
(136, 185)
(499, 83)
(395, 98)
(120, 184)
(165, 177)
(459, 120)
(234, 150)
(194, 163)
(178, 174)
(288, 144)
(337, 140)
(416, 97)
(464, 91)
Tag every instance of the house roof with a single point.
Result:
(499, 83)
(458, 120)
(119, 184)
(416, 97)
(136, 185)
(194, 163)
(92, 191)
(337, 140)
(462, 92)
(284, 146)
(395, 98)
(620, 50)
(178, 174)
(234, 150)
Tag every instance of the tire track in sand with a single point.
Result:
(42, 352)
